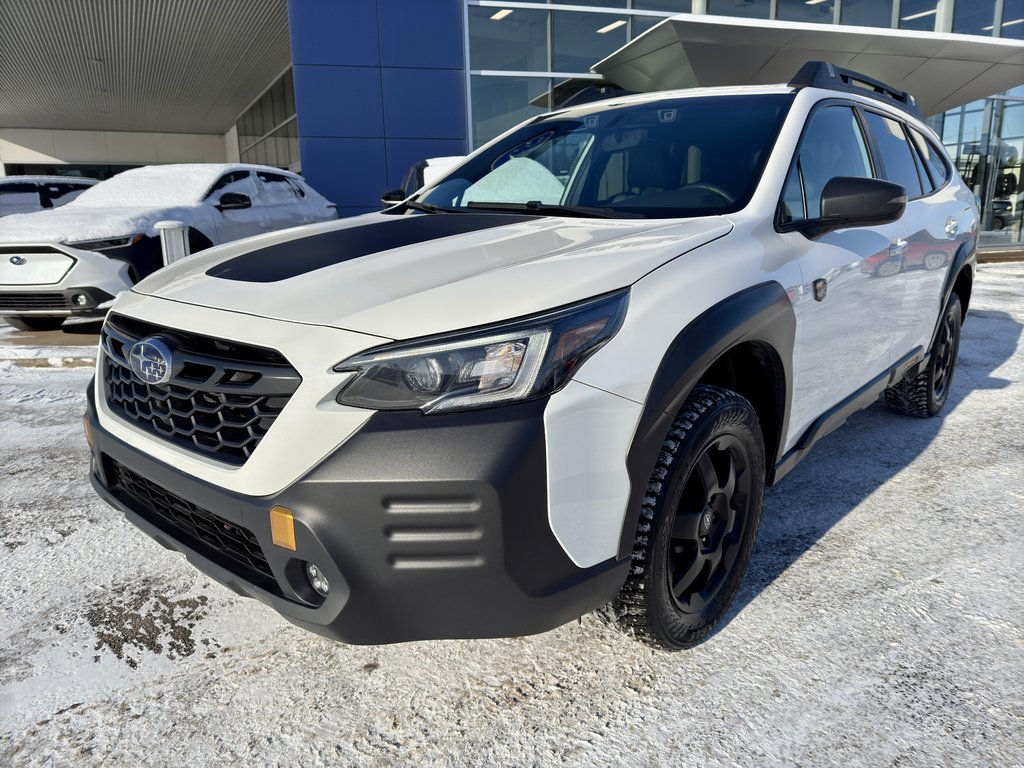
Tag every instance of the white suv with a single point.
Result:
(559, 377)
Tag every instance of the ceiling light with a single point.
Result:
(501, 14)
(814, 2)
(1011, 23)
(610, 27)
(921, 15)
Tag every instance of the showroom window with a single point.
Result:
(867, 13)
(974, 17)
(267, 132)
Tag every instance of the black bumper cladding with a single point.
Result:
(425, 528)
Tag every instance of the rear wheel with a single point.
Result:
(698, 522)
(35, 323)
(925, 394)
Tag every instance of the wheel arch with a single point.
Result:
(744, 343)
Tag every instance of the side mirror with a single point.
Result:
(233, 201)
(850, 201)
(393, 197)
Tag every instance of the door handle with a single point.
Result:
(952, 227)
(897, 247)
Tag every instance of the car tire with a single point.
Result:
(889, 268)
(926, 393)
(35, 323)
(698, 522)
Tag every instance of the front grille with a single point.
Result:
(30, 301)
(222, 398)
(233, 546)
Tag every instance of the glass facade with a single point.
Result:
(267, 132)
(519, 51)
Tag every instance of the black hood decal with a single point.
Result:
(307, 254)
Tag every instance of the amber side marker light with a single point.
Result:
(88, 430)
(282, 527)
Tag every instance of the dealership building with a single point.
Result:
(352, 92)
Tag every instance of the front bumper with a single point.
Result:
(425, 527)
(37, 301)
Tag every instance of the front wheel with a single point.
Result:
(35, 323)
(925, 394)
(698, 522)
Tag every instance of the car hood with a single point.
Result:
(70, 223)
(401, 277)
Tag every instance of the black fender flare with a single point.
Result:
(762, 313)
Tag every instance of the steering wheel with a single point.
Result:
(713, 188)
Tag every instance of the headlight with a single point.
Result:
(106, 245)
(507, 363)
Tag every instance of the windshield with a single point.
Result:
(697, 156)
(154, 186)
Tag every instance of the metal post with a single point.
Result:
(173, 241)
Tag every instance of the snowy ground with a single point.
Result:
(881, 622)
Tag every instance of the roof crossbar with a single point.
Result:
(822, 74)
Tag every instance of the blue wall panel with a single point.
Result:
(421, 33)
(348, 172)
(424, 103)
(339, 101)
(334, 32)
(379, 85)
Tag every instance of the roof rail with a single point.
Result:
(822, 74)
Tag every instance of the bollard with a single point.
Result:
(173, 241)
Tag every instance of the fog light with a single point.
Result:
(317, 580)
(80, 299)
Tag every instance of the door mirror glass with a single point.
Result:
(233, 201)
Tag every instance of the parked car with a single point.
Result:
(419, 175)
(559, 377)
(75, 260)
(28, 194)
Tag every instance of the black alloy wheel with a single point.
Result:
(698, 523)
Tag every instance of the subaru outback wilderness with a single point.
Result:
(557, 378)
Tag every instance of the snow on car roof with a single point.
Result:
(160, 186)
(47, 180)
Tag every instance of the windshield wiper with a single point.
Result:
(427, 207)
(535, 206)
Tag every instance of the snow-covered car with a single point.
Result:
(73, 261)
(559, 377)
(28, 194)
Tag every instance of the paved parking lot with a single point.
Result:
(881, 622)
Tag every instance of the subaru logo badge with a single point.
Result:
(150, 360)
(18, 260)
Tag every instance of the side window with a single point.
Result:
(932, 158)
(275, 187)
(897, 154)
(793, 198)
(832, 145)
(236, 181)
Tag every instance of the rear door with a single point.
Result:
(932, 222)
(852, 286)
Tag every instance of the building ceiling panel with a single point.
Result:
(942, 71)
(179, 66)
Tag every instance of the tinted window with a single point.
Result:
(897, 154)
(933, 160)
(832, 145)
(682, 157)
(793, 197)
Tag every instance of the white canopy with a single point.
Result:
(942, 71)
